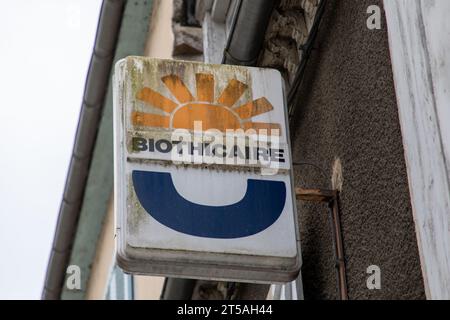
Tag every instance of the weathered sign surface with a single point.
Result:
(203, 184)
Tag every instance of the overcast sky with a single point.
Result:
(45, 49)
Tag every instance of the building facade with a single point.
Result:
(366, 121)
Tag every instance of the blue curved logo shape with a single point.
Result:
(259, 208)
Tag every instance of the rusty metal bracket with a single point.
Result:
(316, 195)
(332, 198)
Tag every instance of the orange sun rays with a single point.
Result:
(218, 114)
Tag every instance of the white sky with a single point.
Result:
(45, 48)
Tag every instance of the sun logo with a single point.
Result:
(220, 113)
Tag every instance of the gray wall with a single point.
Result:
(347, 109)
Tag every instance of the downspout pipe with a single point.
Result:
(178, 289)
(247, 32)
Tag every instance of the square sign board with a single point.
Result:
(203, 181)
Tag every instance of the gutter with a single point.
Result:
(94, 93)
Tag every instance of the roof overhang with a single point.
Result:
(122, 31)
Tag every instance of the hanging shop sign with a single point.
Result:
(203, 181)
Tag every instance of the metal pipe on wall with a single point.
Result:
(247, 32)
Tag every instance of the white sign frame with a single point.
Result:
(145, 245)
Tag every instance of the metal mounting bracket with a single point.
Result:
(332, 198)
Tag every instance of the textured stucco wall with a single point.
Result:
(347, 109)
